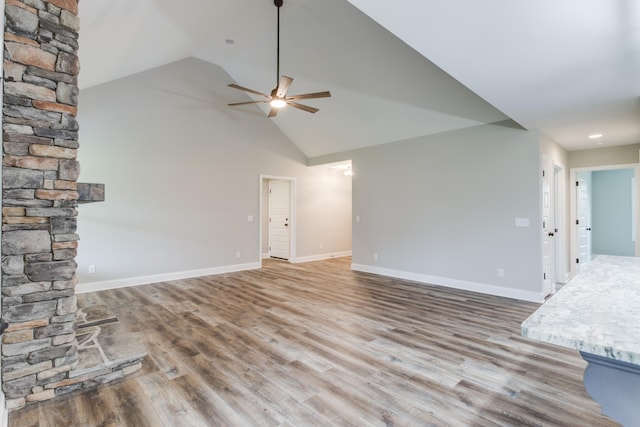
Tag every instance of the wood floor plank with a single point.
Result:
(317, 344)
(24, 418)
(103, 407)
(171, 408)
(202, 398)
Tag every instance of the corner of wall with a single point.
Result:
(4, 418)
(4, 414)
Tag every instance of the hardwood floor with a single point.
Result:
(317, 344)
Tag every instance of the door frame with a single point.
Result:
(548, 225)
(292, 212)
(572, 180)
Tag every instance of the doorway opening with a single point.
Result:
(604, 209)
(555, 268)
(277, 218)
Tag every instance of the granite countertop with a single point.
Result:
(597, 312)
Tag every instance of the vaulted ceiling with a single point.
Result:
(397, 69)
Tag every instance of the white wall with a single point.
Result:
(441, 209)
(621, 155)
(182, 174)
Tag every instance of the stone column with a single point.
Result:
(39, 198)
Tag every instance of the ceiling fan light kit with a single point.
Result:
(278, 98)
(278, 103)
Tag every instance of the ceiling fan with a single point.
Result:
(278, 97)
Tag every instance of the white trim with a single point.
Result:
(265, 255)
(321, 257)
(453, 283)
(548, 285)
(157, 278)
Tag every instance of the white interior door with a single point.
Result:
(548, 245)
(583, 213)
(279, 219)
(559, 224)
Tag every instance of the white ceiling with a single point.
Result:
(568, 68)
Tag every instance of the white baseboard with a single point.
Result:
(265, 255)
(453, 283)
(320, 257)
(156, 278)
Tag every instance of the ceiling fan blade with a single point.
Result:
(246, 103)
(246, 89)
(325, 94)
(273, 112)
(283, 86)
(303, 107)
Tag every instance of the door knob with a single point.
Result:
(550, 234)
(588, 229)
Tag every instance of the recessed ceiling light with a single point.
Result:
(595, 136)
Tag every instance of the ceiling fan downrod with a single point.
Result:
(278, 4)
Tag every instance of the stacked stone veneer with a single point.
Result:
(39, 203)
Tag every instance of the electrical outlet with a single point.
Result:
(375, 256)
(500, 272)
(92, 269)
(237, 254)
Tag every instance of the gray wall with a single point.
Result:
(444, 207)
(611, 216)
(182, 174)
